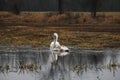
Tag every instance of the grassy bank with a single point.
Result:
(37, 36)
(75, 29)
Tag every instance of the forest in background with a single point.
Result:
(68, 5)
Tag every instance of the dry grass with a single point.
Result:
(37, 36)
(52, 18)
(21, 30)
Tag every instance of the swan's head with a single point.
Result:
(55, 36)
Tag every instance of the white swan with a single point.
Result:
(57, 49)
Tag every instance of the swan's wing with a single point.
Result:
(61, 50)
(57, 44)
(64, 51)
(63, 54)
(64, 48)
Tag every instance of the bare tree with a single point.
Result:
(94, 7)
(2, 5)
(60, 6)
(14, 6)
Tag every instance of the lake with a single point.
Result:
(27, 63)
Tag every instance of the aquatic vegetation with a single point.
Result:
(7, 68)
(1, 69)
(114, 65)
(29, 67)
(84, 68)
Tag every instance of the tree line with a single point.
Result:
(93, 3)
(16, 6)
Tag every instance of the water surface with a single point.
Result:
(26, 63)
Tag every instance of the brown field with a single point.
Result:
(52, 18)
(75, 30)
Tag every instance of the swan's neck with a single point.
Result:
(55, 40)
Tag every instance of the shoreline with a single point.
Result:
(25, 48)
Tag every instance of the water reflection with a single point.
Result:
(79, 65)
